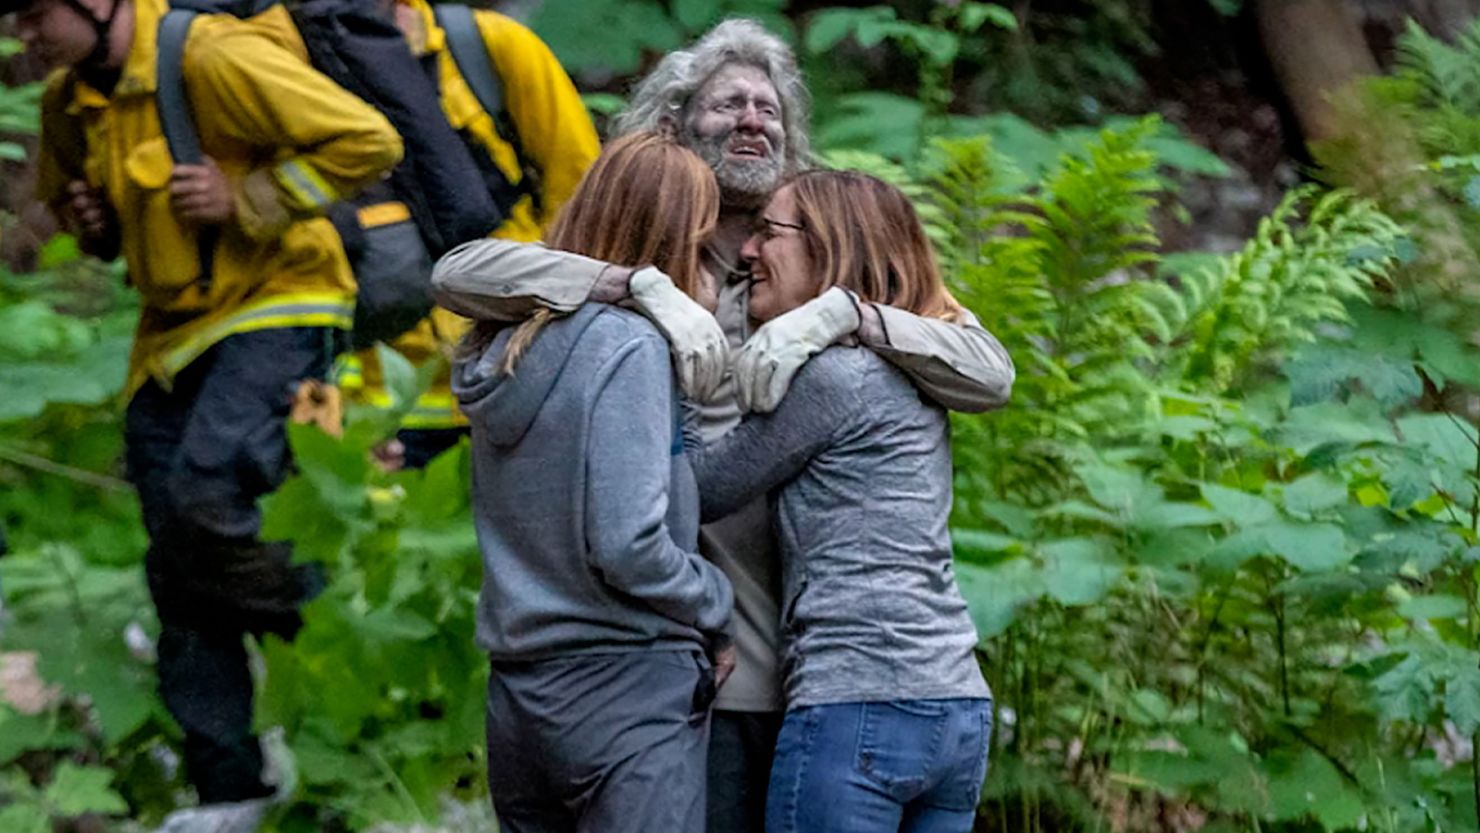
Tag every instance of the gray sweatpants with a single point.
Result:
(601, 743)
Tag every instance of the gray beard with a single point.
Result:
(741, 182)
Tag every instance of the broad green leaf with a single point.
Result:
(1153, 707)
(1447, 438)
(1444, 355)
(1083, 511)
(1239, 507)
(1323, 371)
(830, 26)
(608, 36)
(25, 732)
(1186, 427)
(937, 46)
(1407, 549)
(996, 594)
(1169, 772)
(1314, 493)
(76, 790)
(1433, 607)
(1078, 571)
(1174, 547)
(1408, 480)
(1306, 785)
(604, 104)
(298, 512)
(1175, 515)
(60, 250)
(973, 15)
(24, 818)
(1231, 552)
(396, 625)
(97, 664)
(1311, 547)
(1015, 519)
(1462, 699)
(1357, 421)
(1406, 691)
(980, 544)
(338, 470)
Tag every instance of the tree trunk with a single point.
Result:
(1316, 48)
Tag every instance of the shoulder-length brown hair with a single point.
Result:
(864, 235)
(647, 200)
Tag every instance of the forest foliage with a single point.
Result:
(1221, 548)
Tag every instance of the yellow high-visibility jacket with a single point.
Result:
(557, 137)
(290, 140)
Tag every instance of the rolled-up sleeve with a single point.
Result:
(961, 367)
(500, 280)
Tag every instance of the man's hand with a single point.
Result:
(202, 193)
(724, 664)
(87, 211)
(611, 285)
(765, 366)
(389, 456)
(699, 348)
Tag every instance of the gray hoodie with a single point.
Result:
(584, 502)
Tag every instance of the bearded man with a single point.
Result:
(738, 100)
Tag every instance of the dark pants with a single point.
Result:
(604, 743)
(200, 455)
(741, 748)
(422, 445)
(911, 766)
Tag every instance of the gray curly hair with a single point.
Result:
(664, 95)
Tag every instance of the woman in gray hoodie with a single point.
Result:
(597, 612)
(888, 716)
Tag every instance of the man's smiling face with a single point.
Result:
(735, 125)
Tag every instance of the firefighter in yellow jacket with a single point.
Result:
(542, 149)
(245, 292)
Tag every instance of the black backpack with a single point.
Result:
(450, 191)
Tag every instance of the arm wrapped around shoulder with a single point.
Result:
(500, 280)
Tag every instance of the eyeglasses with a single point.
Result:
(766, 227)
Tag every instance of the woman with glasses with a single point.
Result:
(888, 716)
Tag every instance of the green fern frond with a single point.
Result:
(1447, 75)
(1292, 277)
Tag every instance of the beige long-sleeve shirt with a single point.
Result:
(960, 366)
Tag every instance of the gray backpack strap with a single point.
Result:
(471, 56)
(169, 95)
(175, 120)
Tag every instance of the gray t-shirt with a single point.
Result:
(859, 470)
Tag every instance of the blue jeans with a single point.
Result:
(905, 765)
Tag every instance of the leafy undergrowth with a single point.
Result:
(1221, 548)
